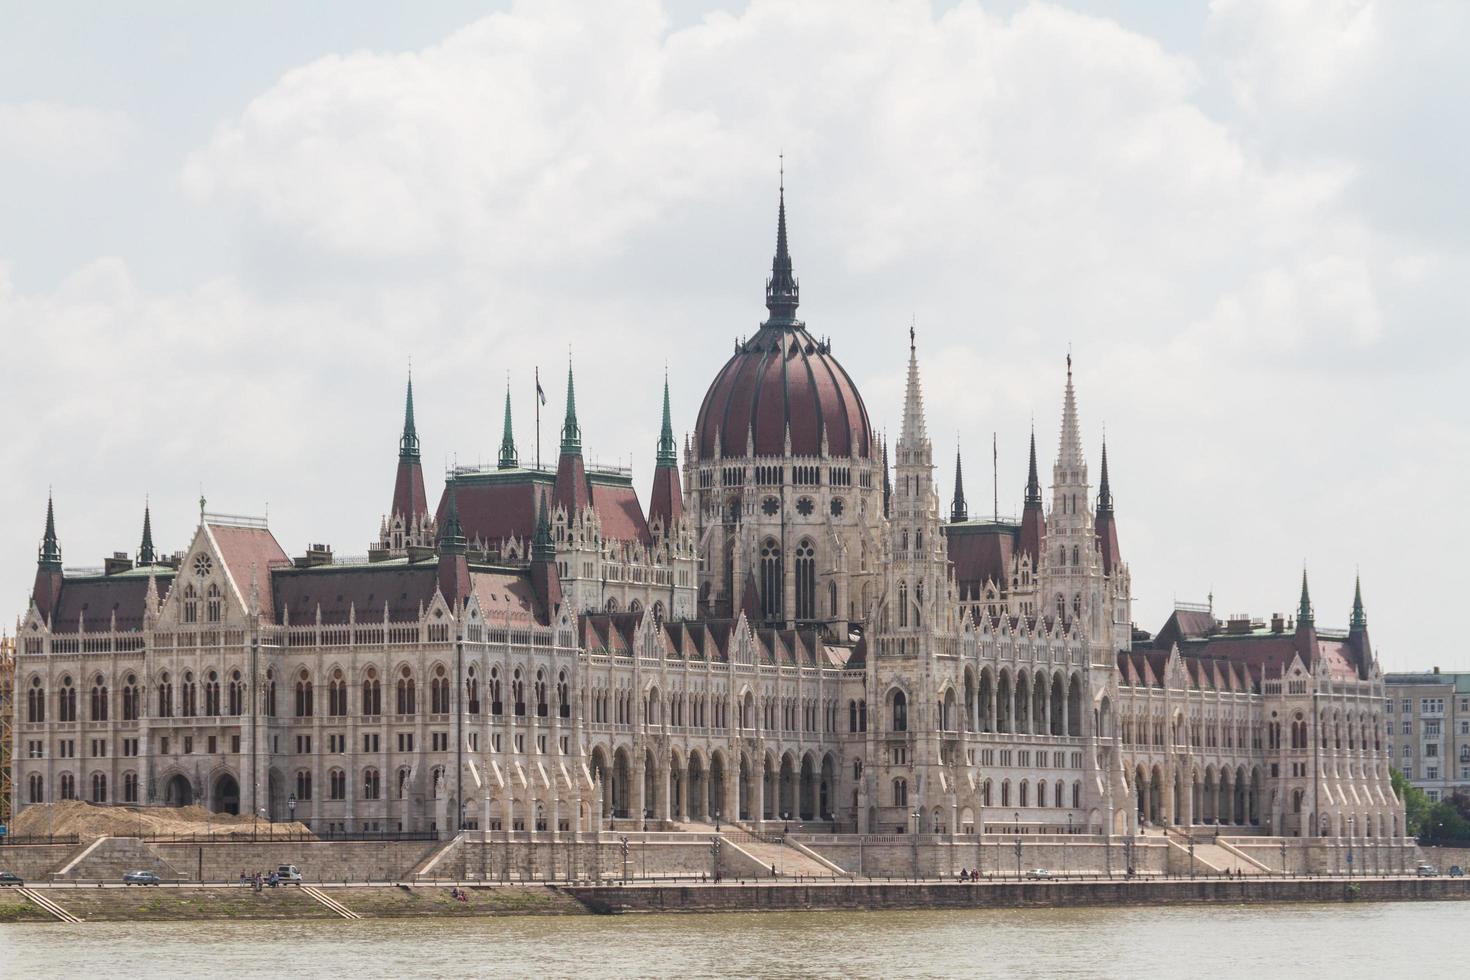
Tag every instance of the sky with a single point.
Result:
(225, 233)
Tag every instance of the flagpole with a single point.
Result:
(537, 400)
(995, 473)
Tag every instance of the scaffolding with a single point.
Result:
(7, 689)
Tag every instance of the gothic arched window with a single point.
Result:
(903, 604)
(806, 581)
(772, 604)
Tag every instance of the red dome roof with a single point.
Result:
(782, 377)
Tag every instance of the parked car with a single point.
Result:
(1456, 871)
(11, 878)
(1038, 873)
(141, 878)
(1427, 871)
(289, 873)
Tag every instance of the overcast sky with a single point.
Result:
(223, 235)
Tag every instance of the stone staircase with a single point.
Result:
(1213, 858)
(787, 860)
(112, 857)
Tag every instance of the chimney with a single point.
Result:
(1278, 623)
(316, 554)
(119, 562)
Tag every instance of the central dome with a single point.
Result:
(783, 380)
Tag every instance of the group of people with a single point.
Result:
(459, 894)
(259, 879)
(967, 875)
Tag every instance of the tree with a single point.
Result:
(1416, 803)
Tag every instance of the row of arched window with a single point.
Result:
(67, 788)
(1055, 794)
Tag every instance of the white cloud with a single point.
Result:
(1249, 324)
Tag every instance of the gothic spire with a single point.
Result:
(49, 556)
(668, 450)
(451, 539)
(1304, 610)
(914, 437)
(1033, 481)
(1069, 451)
(146, 554)
(571, 433)
(958, 511)
(542, 548)
(1104, 492)
(508, 458)
(887, 483)
(1359, 621)
(408, 445)
(782, 289)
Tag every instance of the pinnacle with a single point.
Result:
(1069, 451)
(668, 451)
(408, 445)
(915, 437)
(542, 548)
(451, 540)
(1033, 481)
(508, 459)
(146, 553)
(50, 553)
(1304, 610)
(1104, 492)
(571, 433)
(782, 289)
(1360, 618)
(958, 511)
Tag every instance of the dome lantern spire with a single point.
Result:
(782, 289)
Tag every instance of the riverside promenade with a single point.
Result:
(95, 901)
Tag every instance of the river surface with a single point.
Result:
(1403, 939)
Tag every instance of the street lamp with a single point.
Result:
(1018, 843)
(291, 806)
(917, 815)
(717, 821)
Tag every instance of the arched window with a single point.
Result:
(563, 696)
(165, 695)
(337, 785)
(806, 580)
(852, 716)
(862, 715)
(191, 604)
(439, 692)
(303, 695)
(130, 787)
(407, 695)
(903, 604)
(36, 701)
(370, 785)
(1024, 799)
(985, 793)
(1076, 560)
(518, 692)
(372, 697)
(900, 792)
(99, 787)
(472, 690)
(99, 699)
(237, 694)
(211, 695)
(1005, 793)
(190, 696)
(772, 582)
(900, 712)
(131, 699)
(303, 784)
(66, 702)
(212, 604)
(919, 540)
(337, 695)
(36, 789)
(541, 707)
(68, 786)
(919, 604)
(496, 705)
(903, 539)
(832, 599)
(402, 782)
(270, 693)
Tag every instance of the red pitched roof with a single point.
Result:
(248, 554)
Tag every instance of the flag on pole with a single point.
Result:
(540, 394)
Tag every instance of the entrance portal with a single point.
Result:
(226, 795)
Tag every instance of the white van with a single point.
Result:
(288, 872)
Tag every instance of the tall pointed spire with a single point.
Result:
(1033, 481)
(508, 459)
(49, 555)
(408, 445)
(146, 554)
(914, 437)
(1069, 450)
(782, 289)
(668, 450)
(958, 511)
(887, 482)
(571, 433)
(1359, 621)
(1104, 492)
(1304, 609)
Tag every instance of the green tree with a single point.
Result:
(1416, 804)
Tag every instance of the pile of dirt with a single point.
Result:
(92, 820)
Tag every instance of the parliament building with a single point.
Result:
(791, 632)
